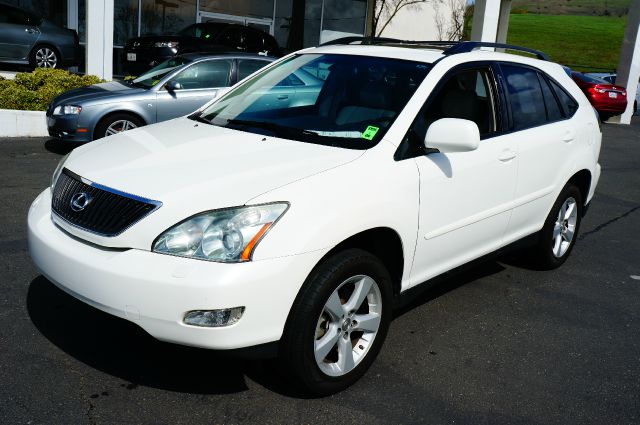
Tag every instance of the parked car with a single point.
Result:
(26, 38)
(142, 53)
(608, 99)
(611, 79)
(176, 87)
(295, 230)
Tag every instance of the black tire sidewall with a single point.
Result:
(546, 258)
(296, 348)
(104, 123)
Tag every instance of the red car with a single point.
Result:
(608, 99)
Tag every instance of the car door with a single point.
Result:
(199, 83)
(540, 121)
(18, 33)
(465, 197)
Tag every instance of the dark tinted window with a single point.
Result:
(17, 16)
(232, 37)
(554, 113)
(249, 66)
(525, 96)
(568, 104)
(204, 75)
(254, 40)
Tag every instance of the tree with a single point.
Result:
(386, 10)
(454, 25)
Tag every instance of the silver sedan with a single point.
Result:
(174, 88)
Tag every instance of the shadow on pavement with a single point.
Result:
(59, 147)
(121, 348)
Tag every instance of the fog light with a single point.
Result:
(214, 318)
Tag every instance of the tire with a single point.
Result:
(321, 320)
(116, 123)
(44, 56)
(558, 237)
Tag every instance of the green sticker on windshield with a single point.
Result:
(370, 132)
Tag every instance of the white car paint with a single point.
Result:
(447, 208)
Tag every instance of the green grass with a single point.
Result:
(588, 41)
(573, 7)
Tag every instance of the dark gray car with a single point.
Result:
(174, 88)
(26, 38)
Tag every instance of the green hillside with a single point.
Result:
(589, 41)
(573, 7)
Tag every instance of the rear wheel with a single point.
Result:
(116, 123)
(560, 231)
(338, 323)
(44, 57)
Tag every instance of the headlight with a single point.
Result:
(228, 235)
(67, 110)
(58, 170)
(166, 44)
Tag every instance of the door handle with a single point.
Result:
(283, 96)
(569, 136)
(507, 155)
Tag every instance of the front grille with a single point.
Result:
(104, 211)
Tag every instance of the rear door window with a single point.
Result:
(247, 67)
(525, 96)
(205, 75)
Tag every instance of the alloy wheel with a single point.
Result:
(119, 126)
(565, 227)
(46, 58)
(347, 326)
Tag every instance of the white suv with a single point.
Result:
(295, 222)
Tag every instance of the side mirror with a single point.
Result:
(172, 85)
(453, 135)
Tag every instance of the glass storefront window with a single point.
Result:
(248, 8)
(53, 10)
(125, 21)
(166, 16)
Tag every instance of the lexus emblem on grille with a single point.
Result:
(79, 201)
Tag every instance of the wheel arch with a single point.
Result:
(46, 43)
(382, 242)
(582, 179)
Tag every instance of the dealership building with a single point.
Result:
(323, 19)
(104, 26)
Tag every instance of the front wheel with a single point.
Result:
(116, 123)
(560, 231)
(338, 323)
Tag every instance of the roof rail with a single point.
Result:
(448, 47)
(468, 46)
(391, 41)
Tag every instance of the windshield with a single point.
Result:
(154, 75)
(339, 100)
(204, 31)
(589, 79)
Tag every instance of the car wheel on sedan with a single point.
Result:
(44, 57)
(338, 322)
(560, 231)
(116, 123)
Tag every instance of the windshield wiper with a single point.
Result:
(198, 117)
(279, 130)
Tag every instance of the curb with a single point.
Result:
(16, 123)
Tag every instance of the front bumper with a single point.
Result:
(65, 127)
(156, 290)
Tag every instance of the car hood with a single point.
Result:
(96, 92)
(193, 167)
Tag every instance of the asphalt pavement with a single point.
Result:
(499, 344)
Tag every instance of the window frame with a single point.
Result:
(232, 70)
(497, 93)
(502, 81)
